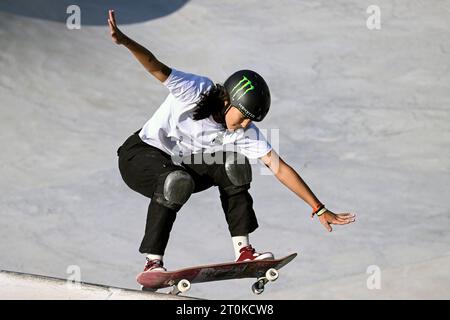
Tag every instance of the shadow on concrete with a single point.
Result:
(93, 12)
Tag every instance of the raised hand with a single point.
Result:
(117, 36)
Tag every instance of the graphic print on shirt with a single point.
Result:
(218, 139)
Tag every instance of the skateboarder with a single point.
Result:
(169, 158)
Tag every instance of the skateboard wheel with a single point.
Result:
(272, 274)
(183, 285)
(258, 288)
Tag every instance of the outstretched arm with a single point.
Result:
(158, 69)
(292, 180)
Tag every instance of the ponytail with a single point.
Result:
(212, 103)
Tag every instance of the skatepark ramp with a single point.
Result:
(23, 286)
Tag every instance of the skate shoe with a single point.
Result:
(248, 253)
(154, 265)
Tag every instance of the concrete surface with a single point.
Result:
(22, 286)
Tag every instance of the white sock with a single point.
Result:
(238, 243)
(154, 256)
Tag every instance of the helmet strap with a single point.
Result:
(227, 109)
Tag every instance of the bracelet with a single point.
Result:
(321, 211)
(317, 209)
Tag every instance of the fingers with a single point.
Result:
(341, 221)
(346, 220)
(112, 31)
(112, 20)
(345, 215)
(112, 17)
(327, 225)
(111, 25)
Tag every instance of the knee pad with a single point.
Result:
(178, 187)
(238, 171)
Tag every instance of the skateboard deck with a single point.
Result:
(263, 270)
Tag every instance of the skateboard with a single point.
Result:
(180, 280)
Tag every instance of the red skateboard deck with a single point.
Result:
(213, 272)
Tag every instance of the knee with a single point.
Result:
(177, 187)
(238, 171)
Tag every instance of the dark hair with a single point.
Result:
(212, 103)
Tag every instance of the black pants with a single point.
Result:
(144, 168)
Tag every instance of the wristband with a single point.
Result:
(317, 208)
(321, 211)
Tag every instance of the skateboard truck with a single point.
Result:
(182, 286)
(270, 275)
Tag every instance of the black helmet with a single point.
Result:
(249, 93)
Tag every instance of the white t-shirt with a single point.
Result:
(173, 130)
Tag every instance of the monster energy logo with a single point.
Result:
(245, 85)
